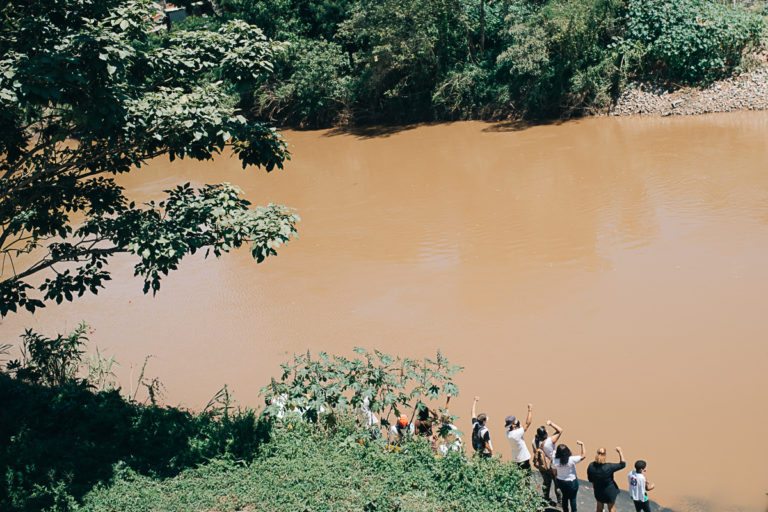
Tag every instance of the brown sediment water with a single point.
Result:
(612, 272)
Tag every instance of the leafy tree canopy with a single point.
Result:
(88, 91)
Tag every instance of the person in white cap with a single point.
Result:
(515, 432)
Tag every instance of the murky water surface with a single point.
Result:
(613, 272)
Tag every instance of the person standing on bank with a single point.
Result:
(481, 438)
(564, 470)
(401, 430)
(515, 432)
(639, 487)
(600, 473)
(543, 452)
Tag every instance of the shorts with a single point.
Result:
(642, 506)
(526, 464)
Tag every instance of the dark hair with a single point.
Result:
(640, 465)
(541, 433)
(481, 418)
(425, 427)
(423, 412)
(562, 454)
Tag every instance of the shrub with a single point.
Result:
(306, 468)
(687, 40)
(466, 93)
(328, 385)
(558, 58)
(310, 88)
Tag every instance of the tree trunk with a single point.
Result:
(482, 26)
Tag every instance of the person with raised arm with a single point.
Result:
(564, 470)
(543, 451)
(600, 473)
(481, 438)
(515, 432)
(451, 437)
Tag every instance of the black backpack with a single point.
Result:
(478, 431)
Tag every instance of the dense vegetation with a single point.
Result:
(369, 61)
(70, 440)
(304, 469)
(87, 92)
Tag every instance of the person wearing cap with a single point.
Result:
(481, 438)
(515, 432)
(401, 429)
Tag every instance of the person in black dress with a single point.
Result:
(600, 473)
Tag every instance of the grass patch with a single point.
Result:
(305, 468)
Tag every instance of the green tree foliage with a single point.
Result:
(401, 49)
(688, 40)
(334, 384)
(310, 85)
(291, 19)
(87, 92)
(557, 58)
(401, 61)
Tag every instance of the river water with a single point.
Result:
(610, 271)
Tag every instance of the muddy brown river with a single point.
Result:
(613, 272)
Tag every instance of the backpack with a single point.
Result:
(478, 432)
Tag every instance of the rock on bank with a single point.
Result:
(748, 91)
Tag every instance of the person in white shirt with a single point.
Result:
(447, 437)
(368, 418)
(543, 451)
(515, 432)
(564, 470)
(452, 440)
(639, 487)
(401, 429)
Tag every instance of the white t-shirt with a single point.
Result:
(365, 411)
(520, 452)
(456, 445)
(548, 447)
(566, 472)
(406, 431)
(637, 486)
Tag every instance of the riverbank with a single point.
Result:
(748, 91)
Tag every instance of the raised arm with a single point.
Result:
(447, 401)
(558, 432)
(621, 454)
(528, 418)
(474, 407)
(581, 445)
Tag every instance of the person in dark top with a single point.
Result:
(481, 438)
(600, 473)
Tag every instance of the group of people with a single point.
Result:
(554, 461)
(557, 464)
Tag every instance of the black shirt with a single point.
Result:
(601, 476)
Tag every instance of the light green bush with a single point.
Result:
(688, 40)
